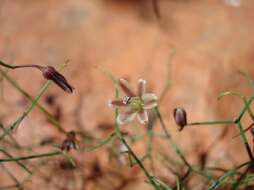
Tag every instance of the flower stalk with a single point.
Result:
(48, 73)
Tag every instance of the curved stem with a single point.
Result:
(20, 66)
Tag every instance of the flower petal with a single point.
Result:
(116, 103)
(141, 87)
(122, 148)
(126, 117)
(143, 117)
(125, 87)
(150, 100)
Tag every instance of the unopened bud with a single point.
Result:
(180, 117)
(50, 73)
(70, 142)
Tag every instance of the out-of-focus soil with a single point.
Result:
(211, 41)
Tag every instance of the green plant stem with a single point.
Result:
(19, 163)
(242, 134)
(229, 173)
(24, 93)
(16, 124)
(245, 141)
(246, 107)
(222, 122)
(167, 80)
(177, 150)
(247, 76)
(120, 136)
(17, 145)
(240, 95)
(102, 143)
(19, 186)
(131, 152)
(15, 159)
(149, 148)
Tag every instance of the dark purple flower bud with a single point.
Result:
(180, 117)
(50, 73)
(70, 142)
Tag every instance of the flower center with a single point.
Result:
(136, 103)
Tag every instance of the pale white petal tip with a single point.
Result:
(143, 118)
(110, 104)
(150, 101)
(122, 80)
(119, 121)
(142, 81)
(144, 122)
(122, 148)
(122, 119)
(150, 96)
(154, 97)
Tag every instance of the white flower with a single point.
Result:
(134, 104)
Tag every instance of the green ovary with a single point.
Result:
(136, 104)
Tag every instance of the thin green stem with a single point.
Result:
(245, 141)
(24, 93)
(150, 147)
(19, 163)
(167, 80)
(246, 107)
(102, 143)
(17, 145)
(130, 151)
(240, 95)
(120, 136)
(177, 150)
(15, 159)
(19, 186)
(248, 78)
(222, 122)
(16, 124)
(229, 173)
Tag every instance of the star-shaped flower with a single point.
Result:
(133, 104)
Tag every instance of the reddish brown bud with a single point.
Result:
(70, 142)
(50, 73)
(180, 117)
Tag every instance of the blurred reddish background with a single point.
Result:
(211, 39)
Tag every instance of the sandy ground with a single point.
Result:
(211, 41)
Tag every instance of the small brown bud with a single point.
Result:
(50, 73)
(180, 117)
(70, 142)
